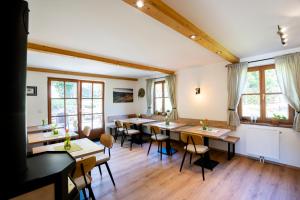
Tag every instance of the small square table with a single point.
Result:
(45, 137)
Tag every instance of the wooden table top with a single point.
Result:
(88, 148)
(217, 133)
(41, 128)
(137, 121)
(171, 126)
(34, 138)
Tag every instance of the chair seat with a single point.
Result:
(101, 158)
(121, 129)
(132, 132)
(159, 137)
(200, 149)
(80, 183)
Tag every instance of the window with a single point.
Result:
(161, 97)
(91, 105)
(76, 103)
(262, 97)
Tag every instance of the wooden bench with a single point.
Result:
(231, 140)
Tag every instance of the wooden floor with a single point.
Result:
(140, 177)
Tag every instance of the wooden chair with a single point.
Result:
(119, 129)
(158, 137)
(102, 158)
(81, 176)
(129, 132)
(193, 145)
(86, 131)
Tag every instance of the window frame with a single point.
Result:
(163, 97)
(262, 95)
(79, 102)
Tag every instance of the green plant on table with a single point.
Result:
(67, 143)
(279, 117)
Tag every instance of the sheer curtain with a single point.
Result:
(171, 81)
(236, 80)
(288, 74)
(149, 83)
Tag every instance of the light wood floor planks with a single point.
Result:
(139, 177)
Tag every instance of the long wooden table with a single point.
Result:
(42, 128)
(87, 146)
(213, 133)
(168, 150)
(45, 137)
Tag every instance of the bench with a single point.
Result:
(231, 140)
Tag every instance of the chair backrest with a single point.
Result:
(84, 166)
(127, 125)
(118, 124)
(188, 138)
(86, 131)
(107, 140)
(155, 130)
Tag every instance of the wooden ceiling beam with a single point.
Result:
(168, 16)
(54, 71)
(48, 49)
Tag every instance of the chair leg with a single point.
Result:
(111, 177)
(203, 174)
(131, 142)
(191, 155)
(228, 151)
(183, 160)
(160, 150)
(84, 193)
(91, 193)
(99, 167)
(149, 147)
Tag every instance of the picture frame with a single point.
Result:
(31, 90)
(122, 95)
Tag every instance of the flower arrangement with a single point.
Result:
(67, 143)
(204, 124)
(54, 129)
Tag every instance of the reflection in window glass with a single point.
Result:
(71, 89)
(86, 107)
(97, 90)
(57, 107)
(271, 81)
(276, 104)
(97, 121)
(86, 90)
(251, 105)
(57, 89)
(71, 106)
(252, 85)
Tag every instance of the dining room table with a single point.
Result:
(47, 137)
(168, 150)
(208, 133)
(79, 148)
(43, 128)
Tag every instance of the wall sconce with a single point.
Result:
(197, 90)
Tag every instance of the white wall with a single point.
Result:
(37, 106)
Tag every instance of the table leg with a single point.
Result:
(206, 162)
(168, 150)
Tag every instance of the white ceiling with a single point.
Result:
(68, 63)
(111, 28)
(245, 27)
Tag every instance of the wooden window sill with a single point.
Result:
(268, 124)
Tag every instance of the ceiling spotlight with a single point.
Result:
(139, 3)
(284, 40)
(282, 34)
(193, 37)
(219, 52)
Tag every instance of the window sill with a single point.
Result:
(268, 124)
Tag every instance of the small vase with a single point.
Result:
(167, 122)
(67, 144)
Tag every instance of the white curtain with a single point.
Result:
(149, 83)
(236, 81)
(288, 74)
(171, 81)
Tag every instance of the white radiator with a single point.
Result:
(263, 142)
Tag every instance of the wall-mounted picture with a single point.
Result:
(31, 90)
(122, 95)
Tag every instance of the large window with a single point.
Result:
(161, 101)
(76, 103)
(262, 98)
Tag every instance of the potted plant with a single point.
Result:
(277, 118)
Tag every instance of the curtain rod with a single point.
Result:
(261, 60)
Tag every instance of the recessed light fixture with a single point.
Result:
(193, 37)
(219, 52)
(139, 3)
(282, 34)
